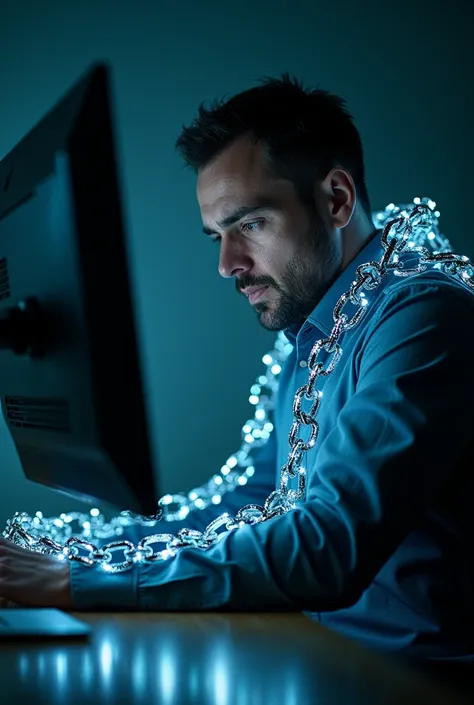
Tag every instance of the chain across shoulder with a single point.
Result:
(407, 229)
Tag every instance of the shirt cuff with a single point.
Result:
(95, 588)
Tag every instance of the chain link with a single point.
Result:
(406, 229)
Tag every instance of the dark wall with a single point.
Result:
(406, 71)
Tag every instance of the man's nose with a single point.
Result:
(233, 259)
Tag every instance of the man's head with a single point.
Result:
(281, 188)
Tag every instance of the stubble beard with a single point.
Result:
(307, 278)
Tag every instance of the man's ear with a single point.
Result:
(339, 197)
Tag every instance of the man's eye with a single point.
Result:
(253, 227)
(215, 240)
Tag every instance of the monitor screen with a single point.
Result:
(71, 385)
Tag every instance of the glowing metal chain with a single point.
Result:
(406, 229)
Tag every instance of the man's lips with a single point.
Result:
(254, 292)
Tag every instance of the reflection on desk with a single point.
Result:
(238, 659)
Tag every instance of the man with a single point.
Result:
(381, 548)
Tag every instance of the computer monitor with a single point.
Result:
(71, 386)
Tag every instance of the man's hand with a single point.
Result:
(33, 579)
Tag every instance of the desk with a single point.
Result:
(207, 659)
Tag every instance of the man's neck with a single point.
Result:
(356, 241)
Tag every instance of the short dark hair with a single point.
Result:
(305, 133)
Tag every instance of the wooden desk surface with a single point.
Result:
(218, 659)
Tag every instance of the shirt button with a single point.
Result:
(303, 363)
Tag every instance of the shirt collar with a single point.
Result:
(322, 315)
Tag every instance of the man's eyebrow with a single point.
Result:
(238, 214)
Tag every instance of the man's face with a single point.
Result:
(268, 239)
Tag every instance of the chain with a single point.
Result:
(236, 471)
(406, 230)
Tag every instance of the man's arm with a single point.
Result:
(393, 448)
(255, 491)
(41, 580)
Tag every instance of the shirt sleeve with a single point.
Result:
(87, 584)
(394, 446)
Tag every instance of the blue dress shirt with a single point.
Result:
(382, 548)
